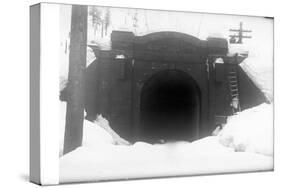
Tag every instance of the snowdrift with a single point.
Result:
(100, 158)
(250, 130)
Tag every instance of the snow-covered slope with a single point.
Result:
(62, 126)
(262, 76)
(95, 162)
(258, 65)
(250, 130)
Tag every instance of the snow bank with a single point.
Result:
(262, 76)
(95, 136)
(250, 130)
(99, 158)
(99, 132)
(62, 126)
(142, 160)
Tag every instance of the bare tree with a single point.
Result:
(107, 20)
(96, 18)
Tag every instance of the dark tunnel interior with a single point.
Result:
(170, 107)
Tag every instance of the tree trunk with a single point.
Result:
(102, 26)
(77, 65)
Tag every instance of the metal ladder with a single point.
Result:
(234, 92)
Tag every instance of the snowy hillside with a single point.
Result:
(250, 131)
(258, 65)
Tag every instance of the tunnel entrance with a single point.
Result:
(169, 107)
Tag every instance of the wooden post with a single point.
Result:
(77, 65)
(212, 94)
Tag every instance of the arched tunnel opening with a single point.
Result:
(169, 107)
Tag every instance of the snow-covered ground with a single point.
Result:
(250, 130)
(244, 144)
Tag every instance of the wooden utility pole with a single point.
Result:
(77, 65)
(237, 38)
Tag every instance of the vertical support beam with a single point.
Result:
(212, 94)
(77, 65)
(134, 111)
